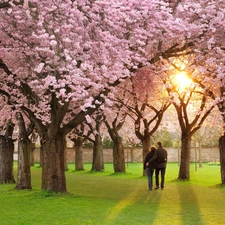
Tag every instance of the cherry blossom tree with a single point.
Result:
(77, 137)
(114, 125)
(95, 125)
(209, 59)
(60, 58)
(145, 101)
(204, 44)
(89, 130)
(192, 104)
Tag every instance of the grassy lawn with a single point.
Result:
(103, 198)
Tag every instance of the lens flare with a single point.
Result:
(182, 81)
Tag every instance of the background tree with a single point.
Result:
(34, 139)
(114, 122)
(190, 102)
(94, 125)
(90, 130)
(164, 136)
(78, 145)
(145, 103)
(78, 137)
(208, 49)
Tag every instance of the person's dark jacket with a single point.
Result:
(148, 156)
(160, 158)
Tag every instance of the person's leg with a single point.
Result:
(157, 178)
(149, 178)
(163, 171)
(151, 182)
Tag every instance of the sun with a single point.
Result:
(182, 81)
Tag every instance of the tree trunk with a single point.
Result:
(145, 148)
(97, 164)
(222, 158)
(24, 150)
(32, 154)
(184, 172)
(53, 168)
(65, 155)
(78, 154)
(41, 154)
(118, 156)
(6, 160)
(200, 154)
(24, 173)
(132, 154)
(65, 160)
(178, 155)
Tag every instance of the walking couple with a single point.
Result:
(156, 159)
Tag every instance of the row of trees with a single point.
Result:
(64, 64)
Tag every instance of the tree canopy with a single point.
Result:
(60, 59)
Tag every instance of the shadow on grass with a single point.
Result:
(190, 212)
(154, 200)
(219, 186)
(128, 205)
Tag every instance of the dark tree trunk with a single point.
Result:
(146, 146)
(65, 155)
(53, 168)
(97, 164)
(145, 149)
(184, 172)
(118, 156)
(41, 155)
(222, 158)
(65, 160)
(6, 160)
(6, 155)
(78, 153)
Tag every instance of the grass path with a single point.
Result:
(118, 199)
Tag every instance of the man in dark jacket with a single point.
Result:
(160, 157)
(149, 167)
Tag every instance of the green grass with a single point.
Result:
(105, 198)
